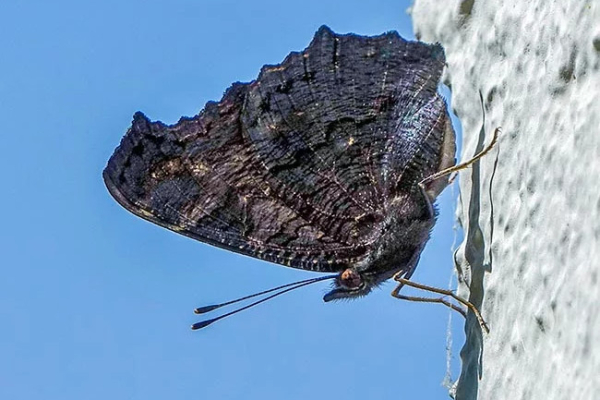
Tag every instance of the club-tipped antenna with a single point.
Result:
(286, 288)
(205, 309)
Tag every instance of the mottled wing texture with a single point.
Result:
(298, 166)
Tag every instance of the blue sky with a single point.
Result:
(96, 303)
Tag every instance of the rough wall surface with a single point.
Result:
(530, 210)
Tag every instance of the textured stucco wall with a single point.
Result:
(530, 210)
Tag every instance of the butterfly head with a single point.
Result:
(350, 283)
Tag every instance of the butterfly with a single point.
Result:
(323, 163)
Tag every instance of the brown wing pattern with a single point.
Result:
(294, 167)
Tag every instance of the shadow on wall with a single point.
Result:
(474, 250)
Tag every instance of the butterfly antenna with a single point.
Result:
(287, 288)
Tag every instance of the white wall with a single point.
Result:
(532, 221)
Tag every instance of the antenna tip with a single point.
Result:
(202, 310)
(200, 325)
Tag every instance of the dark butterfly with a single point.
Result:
(321, 163)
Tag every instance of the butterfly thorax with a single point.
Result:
(403, 235)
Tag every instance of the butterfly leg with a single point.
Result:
(466, 164)
(430, 197)
(428, 300)
(430, 194)
(403, 281)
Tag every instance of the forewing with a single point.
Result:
(288, 168)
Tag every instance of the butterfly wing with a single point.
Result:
(292, 168)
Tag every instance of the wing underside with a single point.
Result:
(295, 167)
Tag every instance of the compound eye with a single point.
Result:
(350, 278)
